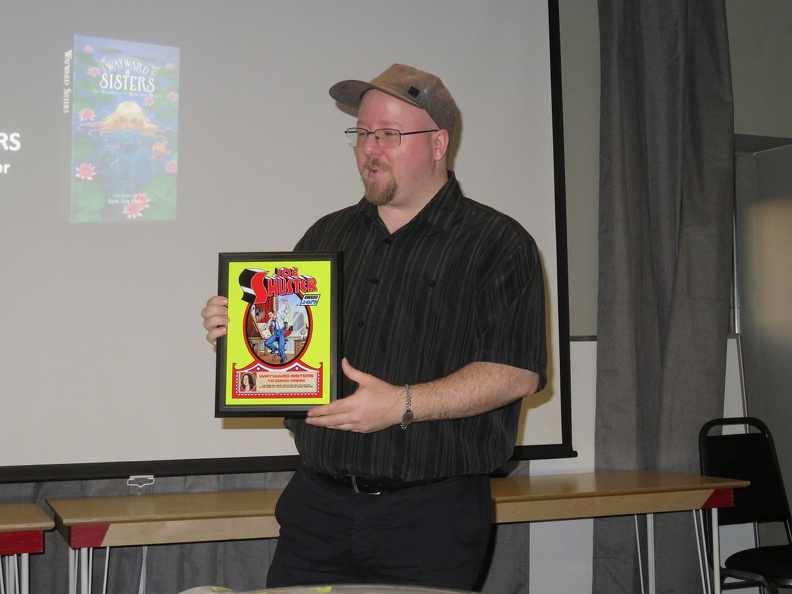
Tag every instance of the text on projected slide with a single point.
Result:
(9, 141)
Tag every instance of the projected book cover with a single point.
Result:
(281, 353)
(125, 113)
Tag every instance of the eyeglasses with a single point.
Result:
(385, 137)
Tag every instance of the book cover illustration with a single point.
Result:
(125, 112)
(280, 352)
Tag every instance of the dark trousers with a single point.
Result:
(430, 535)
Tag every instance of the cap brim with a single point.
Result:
(350, 92)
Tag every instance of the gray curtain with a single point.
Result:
(666, 189)
(508, 569)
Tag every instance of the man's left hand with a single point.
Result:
(374, 406)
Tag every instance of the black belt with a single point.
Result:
(370, 486)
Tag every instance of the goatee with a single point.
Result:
(382, 193)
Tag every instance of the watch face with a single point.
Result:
(407, 419)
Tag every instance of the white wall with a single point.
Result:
(761, 63)
(570, 541)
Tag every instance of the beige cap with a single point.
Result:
(409, 84)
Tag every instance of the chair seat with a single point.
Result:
(773, 562)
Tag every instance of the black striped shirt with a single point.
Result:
(459, 283)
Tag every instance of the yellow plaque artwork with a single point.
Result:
(281, 355)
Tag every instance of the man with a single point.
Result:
(276, 323)
(394, 486)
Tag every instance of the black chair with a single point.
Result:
(751, 456)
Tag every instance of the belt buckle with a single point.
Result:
(355, 487)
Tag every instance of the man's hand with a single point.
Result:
(374, 406)
(215, 318)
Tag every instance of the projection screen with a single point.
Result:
(110, 253)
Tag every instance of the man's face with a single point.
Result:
(394, 175)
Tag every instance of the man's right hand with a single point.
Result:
(215, 318)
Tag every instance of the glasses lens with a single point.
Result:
(356, 136)
(388, 138)
(385, 137)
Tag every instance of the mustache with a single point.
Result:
(373, 162)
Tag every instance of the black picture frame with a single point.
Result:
(281, 354)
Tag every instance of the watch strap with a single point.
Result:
(408, 416)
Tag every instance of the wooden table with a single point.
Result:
(613, 493)
(92, 522)
(22, 527)
(617, 493)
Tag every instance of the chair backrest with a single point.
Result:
(749, 456)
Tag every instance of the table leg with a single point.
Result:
(701, 546)
(106, 570)
(716, 578)
(85, 571)
(72, 571)
(8, 574)
(12, 577)
(24, 573)
(650, 553)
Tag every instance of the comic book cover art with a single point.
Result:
(125, 107)
(281, 350)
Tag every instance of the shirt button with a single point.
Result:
(432, 284)
(375, 281)
(361, 323)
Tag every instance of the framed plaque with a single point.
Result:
(281, 355)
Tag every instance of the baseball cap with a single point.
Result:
(409, 84)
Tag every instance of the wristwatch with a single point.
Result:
(407, 419)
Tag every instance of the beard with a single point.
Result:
(379, 193)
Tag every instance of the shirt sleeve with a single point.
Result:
(512, 327)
